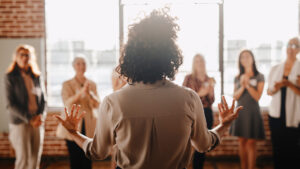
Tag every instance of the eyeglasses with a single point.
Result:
(24, 55)
(293, 46)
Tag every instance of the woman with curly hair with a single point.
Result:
(151, 123)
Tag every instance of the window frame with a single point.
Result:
(121, 6)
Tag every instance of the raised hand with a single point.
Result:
(227, 115)
(72, 120)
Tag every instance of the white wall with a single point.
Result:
(7, 47)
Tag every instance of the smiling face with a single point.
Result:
(22, 58)
(246, 60)
(293, 48)
(79, 66)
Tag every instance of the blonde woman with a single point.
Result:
(26, 106)
(82, 91)
(203, 85)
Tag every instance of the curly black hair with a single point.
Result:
(151, 52)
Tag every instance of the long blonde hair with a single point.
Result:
(194, 72)
(32, 60)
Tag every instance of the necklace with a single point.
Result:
(81, 84)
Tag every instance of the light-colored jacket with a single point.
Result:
(69, 89)
(292, 101)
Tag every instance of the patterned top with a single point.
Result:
(196, 84)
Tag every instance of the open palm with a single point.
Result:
(71, 122)
(227, 115)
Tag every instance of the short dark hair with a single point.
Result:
(151, 52)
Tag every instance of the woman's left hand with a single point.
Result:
(228, 115)
(72, 120)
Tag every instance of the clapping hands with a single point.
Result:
(244, 80)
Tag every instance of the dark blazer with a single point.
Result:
(17, 97)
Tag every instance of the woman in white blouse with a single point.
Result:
(151, 123)
(284, 110)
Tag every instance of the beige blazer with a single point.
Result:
(69, 89)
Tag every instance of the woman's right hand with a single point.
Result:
(71, 121)
(228, 115)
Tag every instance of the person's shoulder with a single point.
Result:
(186, 91)
(92, 82)
(259, 75)
(9, 74)
(68, 82)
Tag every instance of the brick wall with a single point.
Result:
(56, 147)
(22, 19)
(229, 145)
(25, 19)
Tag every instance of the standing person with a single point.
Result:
(204, 87)
(152, 123)
(284, 110)
(248, 88)
(82, 91)
(26, 106)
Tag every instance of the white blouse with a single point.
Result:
(292, 101)
(151, 126)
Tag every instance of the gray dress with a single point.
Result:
(249, 124)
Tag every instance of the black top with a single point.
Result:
(283, 97)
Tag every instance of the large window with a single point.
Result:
(91, 27)
(262, 26)
(199, 32)
(88, 27)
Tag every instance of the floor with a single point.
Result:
(210, 164)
